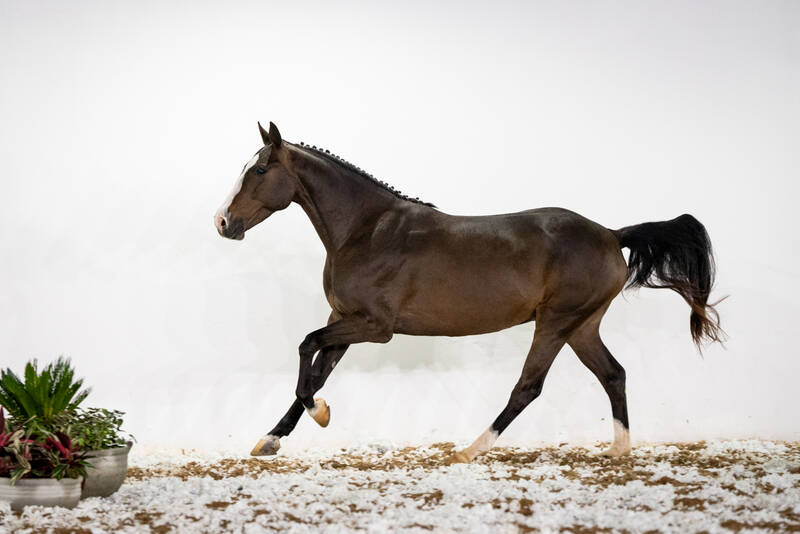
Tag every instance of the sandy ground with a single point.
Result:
(719, 486)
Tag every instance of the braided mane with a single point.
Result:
(364, 174)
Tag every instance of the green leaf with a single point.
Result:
(33, 386)
(58, 472)
(80, 397)
(16, 389)
(21, 460)
(61, 372)
(44, 394)
(12, 406)
(16, 474)
(95, 428)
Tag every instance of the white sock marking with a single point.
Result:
(482, 444)
(622, 440)
(621, 434)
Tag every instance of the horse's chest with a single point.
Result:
(336, 289)
(348, 289)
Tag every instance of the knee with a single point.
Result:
(308, 347)
(305, 396)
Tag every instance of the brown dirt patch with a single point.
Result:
(218, 505)
(429, 500)
(516, 487)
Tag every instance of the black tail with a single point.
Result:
(677, 255)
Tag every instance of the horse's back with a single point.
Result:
(473, 274)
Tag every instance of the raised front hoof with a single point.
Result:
(614, 452)
(459, 457)
(266, 446)
(321, 412)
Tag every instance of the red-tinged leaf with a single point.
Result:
(54, 442)
(65, 440)
(5, 437)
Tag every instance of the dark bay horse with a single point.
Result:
(398, 265)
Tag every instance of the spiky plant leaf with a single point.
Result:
(66, 393)
(9, 403)
(14, 388)
(62, 375)
(60, 371)
(61, 390)
(31, 375)
(79, 398)
(34, 385)
(6, 399)
(44, 394)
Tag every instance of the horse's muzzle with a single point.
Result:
(232, 229)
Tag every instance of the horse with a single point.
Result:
(396, 264)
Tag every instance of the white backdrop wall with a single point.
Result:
(125, 125)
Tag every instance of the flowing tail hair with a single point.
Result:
(676, 255)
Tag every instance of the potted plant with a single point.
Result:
(38, 467)
(99, 432)
(46, 404)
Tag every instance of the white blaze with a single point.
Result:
(226, 204)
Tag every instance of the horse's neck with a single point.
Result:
(338, 202)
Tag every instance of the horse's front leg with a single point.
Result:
(332, 342)
(321, 369)
(345, 331)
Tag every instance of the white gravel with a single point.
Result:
(748, 486)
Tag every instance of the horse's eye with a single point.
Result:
(261, 169)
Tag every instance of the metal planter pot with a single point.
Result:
(41, 492)
(109, 467)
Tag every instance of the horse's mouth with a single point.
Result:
(236, 235)
(235, 230)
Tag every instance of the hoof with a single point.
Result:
(614, 452)
(266, 446)
(458, 458)
(321, 413)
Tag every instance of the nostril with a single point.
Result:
(222, 222)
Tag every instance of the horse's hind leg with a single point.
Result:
(551, 334)
(586, 343)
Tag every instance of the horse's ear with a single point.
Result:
(274, 135)
(264, 134)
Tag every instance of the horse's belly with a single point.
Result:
(419, 325)
(461, 307)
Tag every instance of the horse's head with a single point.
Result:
(264, 187)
